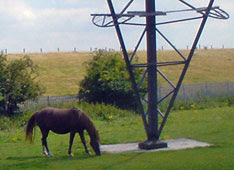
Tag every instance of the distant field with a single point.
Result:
(61, 72)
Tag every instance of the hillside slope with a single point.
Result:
(61, 72)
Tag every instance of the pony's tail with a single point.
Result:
(29, 129)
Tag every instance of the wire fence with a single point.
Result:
(194, 92)
(48, 101)
(186, 92)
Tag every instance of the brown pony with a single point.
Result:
(62, 121)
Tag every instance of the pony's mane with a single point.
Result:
(89, 124)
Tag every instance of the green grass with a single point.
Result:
(208, 122)
(60, 73)
(212, 125)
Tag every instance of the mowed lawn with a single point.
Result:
(213, 125)
(60, 73)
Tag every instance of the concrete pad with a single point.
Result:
(173, 144)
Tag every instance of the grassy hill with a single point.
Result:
(61, 72)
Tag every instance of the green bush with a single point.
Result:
(5, 123)
(107, 81)
(103, 112)
(230, 100)
(202, 103)
(17, 83)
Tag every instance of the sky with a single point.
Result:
(67, 24)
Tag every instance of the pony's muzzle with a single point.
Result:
(98, 153)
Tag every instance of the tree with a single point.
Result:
(107, 81)
(17, 83)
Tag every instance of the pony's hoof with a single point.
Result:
(45, 153)
(50, 154)
(71, 155)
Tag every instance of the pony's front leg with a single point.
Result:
(44, 151)
(72, 135)
(83, 141)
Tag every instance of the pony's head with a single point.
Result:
(95, 142)
(93, 133)
(96, 147)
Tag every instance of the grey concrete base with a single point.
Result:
(151, 144)
(173, 144)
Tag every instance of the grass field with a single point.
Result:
(60, 73)
(213, 125)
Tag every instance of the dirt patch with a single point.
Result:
(173, 144)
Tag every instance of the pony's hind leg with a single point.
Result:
(45, 149)
(83, 141)
(72, 135)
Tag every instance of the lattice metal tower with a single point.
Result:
(150, 118)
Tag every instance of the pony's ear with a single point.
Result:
(76, 109)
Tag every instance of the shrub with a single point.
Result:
(107, 81)
(5, 123)
(201, 103)
(17, 83)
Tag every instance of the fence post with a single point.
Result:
(79, 98)
(159, 93)
(228, 88)
(48, 100)
(184, 93)
(207, 90)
